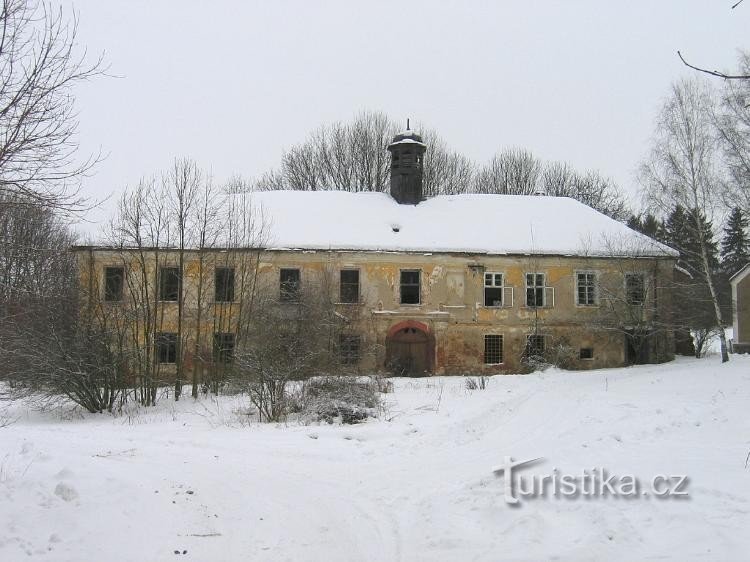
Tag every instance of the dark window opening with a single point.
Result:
(289, 284)
(493, 349)
(586, 289)
(224, 284)
(349, 348)
(534, 346)
(493, 289)
(410, 287)
(223, 348)
(169, 284)
(113, 283)
(586, 353)
(166, 348)
(349, 286)
(535, 289)
(635, 288)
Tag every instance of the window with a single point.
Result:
(223, 348)
(166, 348)
(586, 288)
(349, 286)
(113, 283)
(635, 288)
(493, 349)
(169, 284)
(534, 346)
(224, 284)
(349, 348)
(493, 289)
(289, 285)
(534, 289)
(410, 286)
(586, 353)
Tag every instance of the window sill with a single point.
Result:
(358, 303)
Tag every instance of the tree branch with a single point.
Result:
(715, 73)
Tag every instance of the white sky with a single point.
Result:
(232, 84)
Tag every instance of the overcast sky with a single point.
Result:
(232, 84)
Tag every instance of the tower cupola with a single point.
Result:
(407, 164)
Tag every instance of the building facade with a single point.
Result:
(450, 285)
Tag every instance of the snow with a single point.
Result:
(417, 484)
(478, 224)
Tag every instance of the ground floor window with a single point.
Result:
(586, 353)
(349, 348)
(534, 345)
(493, 349)
(166, 347)
(223, 348)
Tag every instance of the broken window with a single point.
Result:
(169, 284)
(493, 289)
(223, 348)
(113, 283)
(224, 284)
(349, 348)
(493, 349)
(349, 286)
(586, 288)
(535, 289)
(534, 346)
(635, 288)
(166, 347)
(289, 285)
(410, 286)
(586, 353)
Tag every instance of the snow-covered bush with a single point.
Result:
(333, 398)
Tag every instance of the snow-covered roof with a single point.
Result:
(472, 223)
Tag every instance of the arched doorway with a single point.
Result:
(409, 349)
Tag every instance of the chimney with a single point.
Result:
(407, 155)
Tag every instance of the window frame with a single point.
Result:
(121, 293)
(343, 284)
(169, 339)
(594, 286)
(286, 295)
(223, 354)
(228, 289)
(350, 354)
(535, 287)
(537, 348)
(628, 299)
(162, 292)
(500, 350)
(500, 287)
(418, 285)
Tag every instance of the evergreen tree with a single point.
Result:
(735, 245)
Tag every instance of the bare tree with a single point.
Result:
(681, 170)
(39, 69)
(512, 171)
(733, 123)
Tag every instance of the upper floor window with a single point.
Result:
(224, 284)
(349, 286)
(586, 288)
(635, 288)
(289, 285)
(535, 285)
(493, 289)
(169, 284)
(166, 347)
(113, 283)
(493, 349)
(223, 348)
(410, 286)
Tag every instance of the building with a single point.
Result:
(451, 284)
(740, 282)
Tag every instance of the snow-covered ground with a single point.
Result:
(416, 484)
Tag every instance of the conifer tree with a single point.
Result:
(735, 244)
